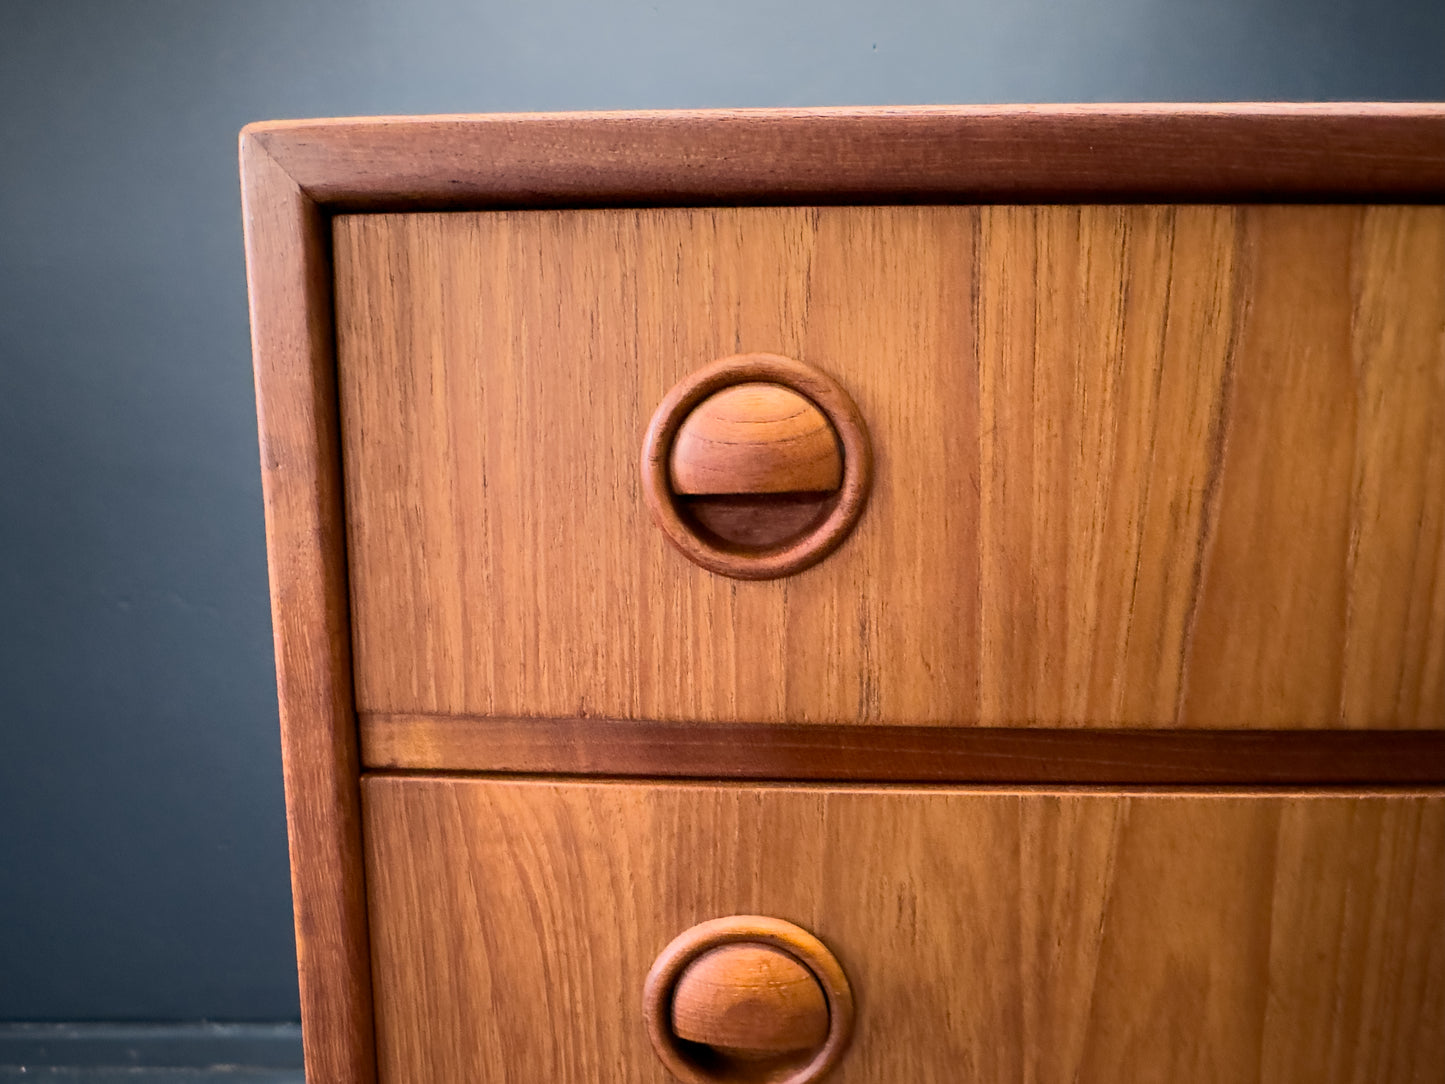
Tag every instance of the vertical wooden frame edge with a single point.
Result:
(288, 274)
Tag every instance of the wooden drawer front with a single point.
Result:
(1135, 466)
(988, 935)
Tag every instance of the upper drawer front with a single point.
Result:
(1141, 466)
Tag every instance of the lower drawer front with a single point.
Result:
(989, 935)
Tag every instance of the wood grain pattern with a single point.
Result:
(288, 275)
(988, 935)
(1153, 467)
(899, 754)
(1229, 152)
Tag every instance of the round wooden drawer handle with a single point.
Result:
(756, 466)
(748, 998)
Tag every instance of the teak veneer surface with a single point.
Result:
(988, 935)
(1136, 466)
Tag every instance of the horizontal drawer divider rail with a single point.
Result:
(915, 754)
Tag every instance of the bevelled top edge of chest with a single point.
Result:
(1235, 152)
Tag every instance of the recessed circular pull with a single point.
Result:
(756, 466)
(748, 998)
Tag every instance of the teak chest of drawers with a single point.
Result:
(894, 595)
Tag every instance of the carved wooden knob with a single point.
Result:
(751, 1001)
(756, 466)
(748, 998)
(756, 438)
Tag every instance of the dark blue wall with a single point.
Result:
(142, 845)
